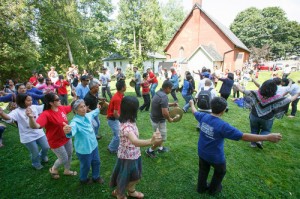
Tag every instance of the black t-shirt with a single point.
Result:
(159, 101)
(91, 101)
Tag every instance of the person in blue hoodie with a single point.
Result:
(175, 81)
(187, 91)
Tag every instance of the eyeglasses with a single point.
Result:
(56, 100)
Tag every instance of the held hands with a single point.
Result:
(274, 137)
(156, 138)
(29, 112)
(67, 128)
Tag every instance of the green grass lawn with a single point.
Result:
(273, 172)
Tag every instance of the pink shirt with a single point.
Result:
(126, 149)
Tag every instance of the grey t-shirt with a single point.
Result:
(137, 76)
(159, 101)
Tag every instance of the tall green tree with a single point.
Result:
(267, 29)
(73, 31)
(173, 14)
(18, 51)
(139, 28)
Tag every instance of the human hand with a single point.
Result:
(191, 102)
(67, 128)
(29, 112)
(274, 137)
(156, 138)
(99, 106)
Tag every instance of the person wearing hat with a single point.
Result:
(137, 79)
(153, 81)
(105, 82)
(120, 75)
(82, 89)
(62, 90)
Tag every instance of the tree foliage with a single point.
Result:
(268, 27)
(17, 50)
(139, 28)
(173, 15)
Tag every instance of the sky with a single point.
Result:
(226, 10)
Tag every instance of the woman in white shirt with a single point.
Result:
(31, 138)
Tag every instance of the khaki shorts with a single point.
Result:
(162, 127)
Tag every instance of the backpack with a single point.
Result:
(204, 98)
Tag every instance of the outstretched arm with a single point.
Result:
(155, 140)
(273, 137)
(4, 115)
(194, 110)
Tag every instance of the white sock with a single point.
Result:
(150, 149)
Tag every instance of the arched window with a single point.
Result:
(181, 52)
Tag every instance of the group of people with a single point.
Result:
(266, 104)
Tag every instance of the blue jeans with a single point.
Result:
(36, 155)
(115, 127)
(96, 124)
(138, 90)
(88, 160)
(260, 126)
(187, 99)
(152, 89)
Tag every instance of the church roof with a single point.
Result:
(230, 35)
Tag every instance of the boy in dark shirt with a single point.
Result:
(213, 131)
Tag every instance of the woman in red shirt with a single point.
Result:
(146, 93)
(53, 118)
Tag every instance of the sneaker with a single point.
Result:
(86, 182)
(253, 145)
(163, 150)
(39, 167)
(98, 180)
(45, 160)
(291, 116)
(184, 110)
(150, 154)
(259, 145)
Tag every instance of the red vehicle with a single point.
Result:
(263, 67)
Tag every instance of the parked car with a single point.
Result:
(263, 67)
(278, 66)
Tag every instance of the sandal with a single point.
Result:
(135, 194)
(54, 175)
(114, 193)
(71, 173)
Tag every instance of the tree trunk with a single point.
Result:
(69, 50)
(140, 43)
(134, 42)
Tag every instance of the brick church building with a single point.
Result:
(201, 40)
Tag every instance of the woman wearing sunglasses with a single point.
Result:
(52, 119)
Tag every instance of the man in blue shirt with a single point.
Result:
(82, 89)
(213, 131)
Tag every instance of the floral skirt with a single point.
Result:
(125, 171)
